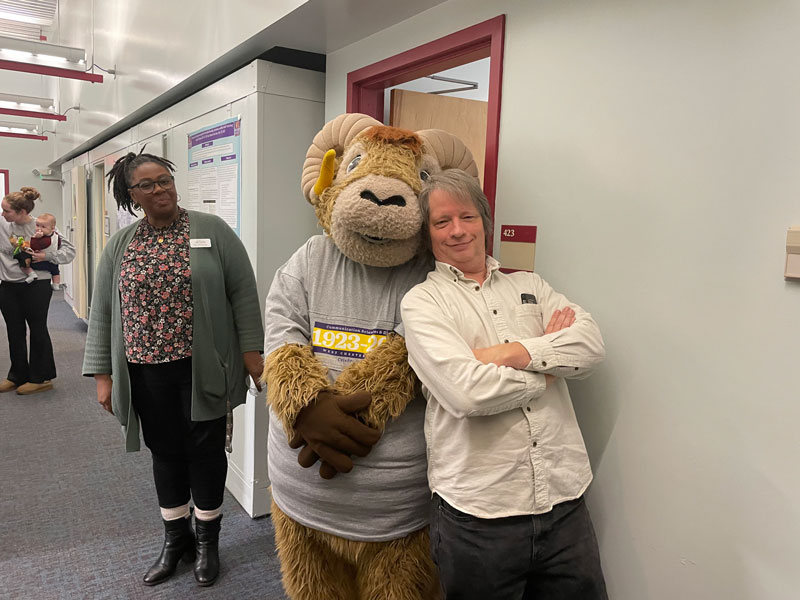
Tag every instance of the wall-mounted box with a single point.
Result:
(792, 269)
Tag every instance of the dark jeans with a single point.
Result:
(188, 456)
(45, 265)
(25, 306)
(553, 556)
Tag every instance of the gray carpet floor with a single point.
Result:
(79, 516)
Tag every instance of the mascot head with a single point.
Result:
(363, 179)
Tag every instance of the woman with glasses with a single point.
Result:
(174, 330)
(25, 297)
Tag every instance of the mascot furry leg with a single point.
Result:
(347, 570)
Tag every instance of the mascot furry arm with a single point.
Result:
(352, 158)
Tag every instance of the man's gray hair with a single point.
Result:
(461, 185)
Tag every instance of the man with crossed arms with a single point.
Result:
(506, 460)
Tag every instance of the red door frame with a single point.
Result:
(5, 180)
(365, 86)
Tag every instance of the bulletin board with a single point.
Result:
(215, 172)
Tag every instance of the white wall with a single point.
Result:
(20, 157)
(655, 145)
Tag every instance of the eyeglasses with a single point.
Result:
(167, 182)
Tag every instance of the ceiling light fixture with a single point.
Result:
(29, 106)
(44, 59)
(20, 130)
(27, 102)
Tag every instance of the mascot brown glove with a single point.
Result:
(333, 433)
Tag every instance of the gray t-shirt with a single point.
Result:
(343, 309)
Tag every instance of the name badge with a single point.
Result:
(200, 243)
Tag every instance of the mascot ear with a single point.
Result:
(320, 164)
(449, 151)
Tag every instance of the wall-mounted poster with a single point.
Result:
(215, 170)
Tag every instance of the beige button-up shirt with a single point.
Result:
(500, 442)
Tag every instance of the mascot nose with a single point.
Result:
(390, 201)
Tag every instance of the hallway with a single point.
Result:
(78, 515)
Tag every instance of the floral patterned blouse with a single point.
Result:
(155, 286)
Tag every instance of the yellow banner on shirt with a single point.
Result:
(346, 341)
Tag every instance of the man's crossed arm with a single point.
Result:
(515, 355)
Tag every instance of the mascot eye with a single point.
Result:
(354, 163)
(423, 175)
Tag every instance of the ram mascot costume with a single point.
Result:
(339, 386)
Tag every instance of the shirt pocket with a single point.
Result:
(529, 320)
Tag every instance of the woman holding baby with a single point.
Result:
(25, 290)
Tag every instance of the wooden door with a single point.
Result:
(466, 119)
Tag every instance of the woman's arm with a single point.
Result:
(241, 290)
(97, 356)
(6, 247)
(103, 381)
(66, 253)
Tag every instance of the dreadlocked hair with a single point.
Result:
(120, 174)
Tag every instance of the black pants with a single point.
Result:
(188, 456)
(46, 265)
(553, 556)
(25, 306)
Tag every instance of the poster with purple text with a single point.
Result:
(215, 171)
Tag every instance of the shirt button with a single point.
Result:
(544, 364)
(494, 312)
(477, 288)
(505, 341)
(528, 408)
(535, 444)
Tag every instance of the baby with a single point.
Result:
(43, 238)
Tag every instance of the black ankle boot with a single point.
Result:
(206, 566)
(178, 543)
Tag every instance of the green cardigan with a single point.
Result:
(226, 322)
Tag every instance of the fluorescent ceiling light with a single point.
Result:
(26, 102)
(41, 58)
(40, 52)
(36, 12)
(9, 16)
(16, 54)
(16, 127)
